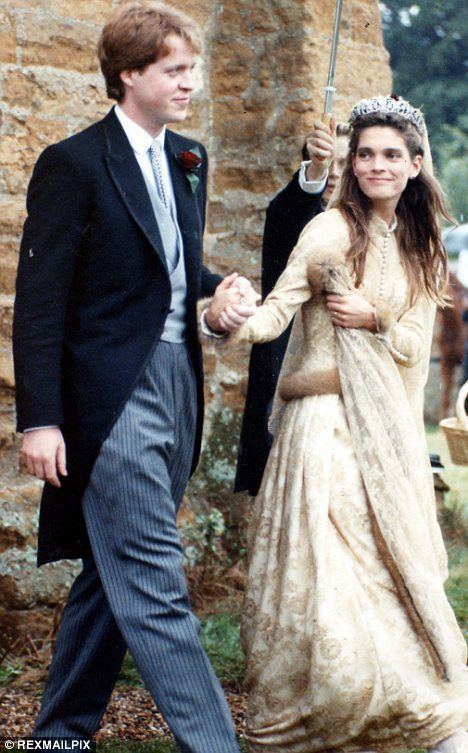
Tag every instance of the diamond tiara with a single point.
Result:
(398, 106)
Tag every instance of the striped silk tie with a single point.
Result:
(155, 151)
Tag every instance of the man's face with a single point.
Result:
(336, 168)
(160, 93)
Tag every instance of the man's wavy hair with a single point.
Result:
(421, 205)
(135, 36)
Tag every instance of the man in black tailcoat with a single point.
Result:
(110, 385)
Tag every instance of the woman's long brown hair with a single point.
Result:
(421, 205)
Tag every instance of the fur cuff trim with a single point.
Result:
(202, 305)
(320, 271)
(306, 384)
(384, 317)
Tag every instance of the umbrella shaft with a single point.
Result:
(334, 49)
(329, 93)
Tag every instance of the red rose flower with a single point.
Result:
(189, 161)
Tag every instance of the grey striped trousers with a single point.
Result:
(132, 590)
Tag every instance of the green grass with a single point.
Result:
(8, 672)
(457, 585)
(220, 636)
(455, 520)
(221, 641)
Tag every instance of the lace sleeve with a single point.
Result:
(290, 292)
(406, 337)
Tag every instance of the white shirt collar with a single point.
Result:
(140, 140)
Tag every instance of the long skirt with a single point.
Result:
(334, 660)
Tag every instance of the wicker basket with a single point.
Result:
(456, 430)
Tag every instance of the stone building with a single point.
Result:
(261, 85)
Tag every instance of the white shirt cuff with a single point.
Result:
(36, 428)
(311, 186)
(207, 331)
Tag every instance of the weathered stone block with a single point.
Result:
(35, 90)
(230, 21)
(220, 219)
(92, 11)
(355, 78)
(63, 44)
(232, 75)
(7, 38)
(22, 142)
(8, 264)
(259, 180)
(22, 5)
(237, 124)
(7, 376)
(362, 23)
(260, 19)
(290, 14)
(12, 214)
(18, 524)
(6, 319)
(23, 585)
(200, 10)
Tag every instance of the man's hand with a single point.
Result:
(248, 294)
(232, 304)
(44, 453)
(320, 146)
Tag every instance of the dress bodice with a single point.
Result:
(407, 330)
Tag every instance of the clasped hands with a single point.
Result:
(351, 311)
(233, 303)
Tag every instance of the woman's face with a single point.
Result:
(383, 165)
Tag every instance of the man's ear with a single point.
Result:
(127, 77)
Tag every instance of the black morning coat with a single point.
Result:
(286, 216)
(92, 296)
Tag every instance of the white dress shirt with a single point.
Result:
(140, 141)
(311, 186)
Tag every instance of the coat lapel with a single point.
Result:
(188, 212)
(126, 174)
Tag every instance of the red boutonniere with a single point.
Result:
(190, 161)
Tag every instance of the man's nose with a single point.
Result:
(186, 81)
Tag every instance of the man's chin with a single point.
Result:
(178, 117)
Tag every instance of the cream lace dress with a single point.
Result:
(337, 655)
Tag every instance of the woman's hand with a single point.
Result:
(352, 311)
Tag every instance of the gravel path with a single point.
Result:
(131, 714)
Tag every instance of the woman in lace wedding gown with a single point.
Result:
(350, 642)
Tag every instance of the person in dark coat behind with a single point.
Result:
(288, 213)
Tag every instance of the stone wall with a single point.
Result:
(265, 66)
